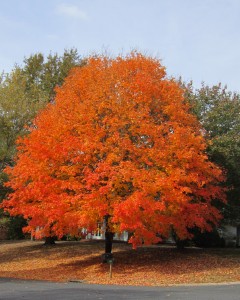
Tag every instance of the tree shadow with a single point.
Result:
(167, 260)
(23, 250)
(85, 257)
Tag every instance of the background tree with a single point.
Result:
(17, 108)
(25, 91)
(219, 112)
(118, 141)
(47, 73)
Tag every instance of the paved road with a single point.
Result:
(36, 290)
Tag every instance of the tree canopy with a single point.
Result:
(117, 141)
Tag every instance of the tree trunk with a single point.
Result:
(181, 244)
(108, 242)
(49, 241)
(238, 236)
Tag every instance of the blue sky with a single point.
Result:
(196, 39)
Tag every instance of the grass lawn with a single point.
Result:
(151, 266)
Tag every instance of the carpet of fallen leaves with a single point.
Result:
(149, 266)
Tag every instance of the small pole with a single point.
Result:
(110, 270)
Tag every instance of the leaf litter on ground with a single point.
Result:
(146, 266)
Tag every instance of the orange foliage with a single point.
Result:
(118, 140)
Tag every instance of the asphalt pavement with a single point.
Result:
(40, 290)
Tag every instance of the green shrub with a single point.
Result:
(15, 225)
(208, 239)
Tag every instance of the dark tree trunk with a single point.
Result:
(238, 236)
(49, 241)
(181, 244)
(108, 242)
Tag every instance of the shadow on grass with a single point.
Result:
(167, 260)
(23, 250)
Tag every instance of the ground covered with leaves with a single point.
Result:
(149, 266)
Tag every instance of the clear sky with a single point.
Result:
(196, 39)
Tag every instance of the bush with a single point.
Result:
(208, 239)
(15, 225)
(4, 222)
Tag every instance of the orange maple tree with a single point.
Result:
(118, 141)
